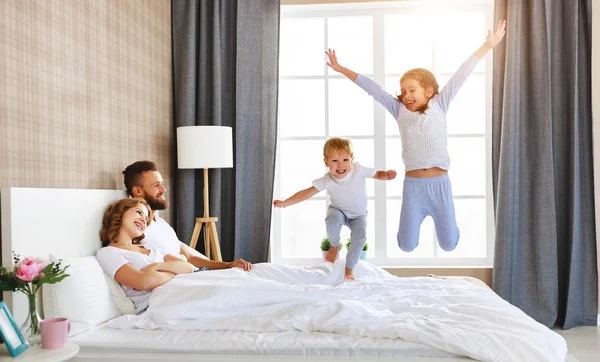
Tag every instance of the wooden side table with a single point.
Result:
(38, 354)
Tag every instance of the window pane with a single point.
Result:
(302, 229)
(301, 47)
(364, 153)
(471, 219)
(426, 236)
(469, 27)
(392, 86)
(466, 114)
(301, 162)
(408, 42)
(313, 105)
(350, 109)
(295, 118)
(345, 233)
(467, 165)
(352, 39)
(393, 160)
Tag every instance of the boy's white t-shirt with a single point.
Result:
(348, 194)
(111, 259)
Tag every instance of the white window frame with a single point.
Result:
(378, 10)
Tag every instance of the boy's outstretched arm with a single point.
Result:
(333, 64)
(492, 39)
(297, 197)
(385, 175)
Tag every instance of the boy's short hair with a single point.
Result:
(337, 144)
(132, 175)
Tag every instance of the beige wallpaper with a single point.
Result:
(85, 90)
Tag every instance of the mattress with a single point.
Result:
(289, 343)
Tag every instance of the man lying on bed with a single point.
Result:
(143, 180)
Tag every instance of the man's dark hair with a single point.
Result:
(133, 174)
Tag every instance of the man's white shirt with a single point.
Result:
(160, 235)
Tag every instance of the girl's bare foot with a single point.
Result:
(331, 254)
(348, 274)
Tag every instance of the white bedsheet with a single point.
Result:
(452, 315)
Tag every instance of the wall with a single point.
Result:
(596, 123)
(85, 90)
(484, 274)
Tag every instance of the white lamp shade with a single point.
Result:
(204, 147)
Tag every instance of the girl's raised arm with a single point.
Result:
(391, 103)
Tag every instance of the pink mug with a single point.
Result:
(54, 332)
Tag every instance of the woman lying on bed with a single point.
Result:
(138, 270)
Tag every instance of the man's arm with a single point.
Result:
(175, 265)
(214, 265)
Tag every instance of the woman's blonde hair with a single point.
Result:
(113, 219)
(425, 78)
(337, 144)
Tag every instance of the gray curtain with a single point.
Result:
(545, 256)
(225, 72)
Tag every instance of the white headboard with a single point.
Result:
(39, 222)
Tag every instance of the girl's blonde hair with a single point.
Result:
(113, 219)
(337, 144)
(425, 78)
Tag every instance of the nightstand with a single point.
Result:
(38, 354)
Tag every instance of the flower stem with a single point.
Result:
(33, 316)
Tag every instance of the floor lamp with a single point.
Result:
(205, 147)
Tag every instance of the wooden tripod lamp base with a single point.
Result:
(211, 238)
(205, 147)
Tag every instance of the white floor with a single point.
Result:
(583, 343)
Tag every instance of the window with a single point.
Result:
(381, 41)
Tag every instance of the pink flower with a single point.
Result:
(29, 269)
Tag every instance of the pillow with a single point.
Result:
(82, 297)
(124, 305)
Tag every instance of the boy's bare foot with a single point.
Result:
(331, 254)
(348, 274)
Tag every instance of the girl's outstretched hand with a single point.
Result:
(493, 39)
(333, 62)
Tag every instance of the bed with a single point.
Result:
(284, 315)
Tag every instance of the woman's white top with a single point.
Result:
(112, 258)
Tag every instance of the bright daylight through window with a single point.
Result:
(381, 41)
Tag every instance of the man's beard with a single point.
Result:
(156, 204)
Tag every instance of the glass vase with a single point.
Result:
(30, 329)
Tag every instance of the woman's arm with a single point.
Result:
(297, 197)
(146, 279)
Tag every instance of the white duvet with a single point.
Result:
(455, 316)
